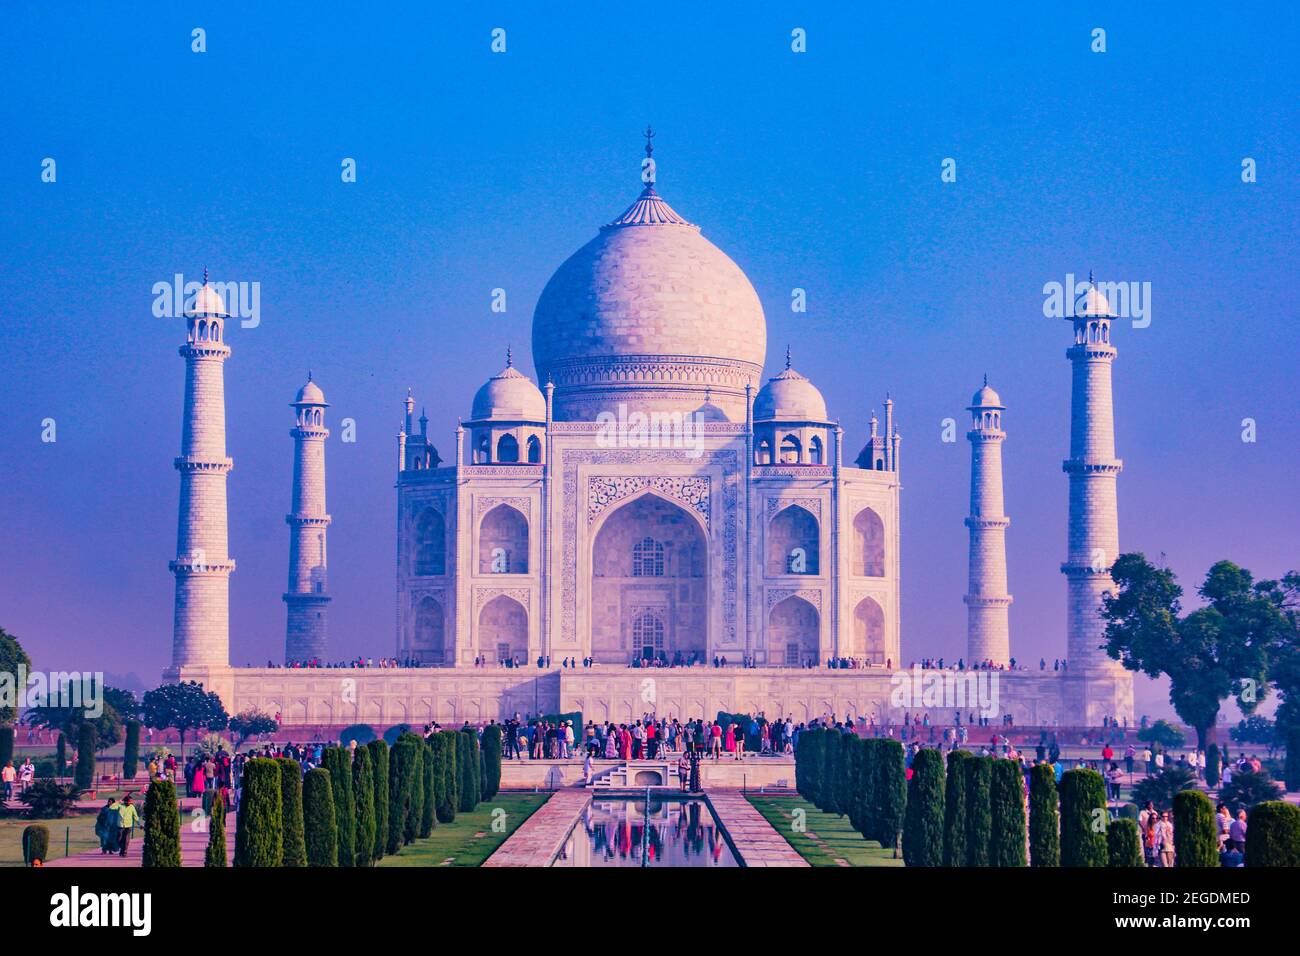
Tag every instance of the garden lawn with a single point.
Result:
(78, 828)
(470, 839)
(827, 838)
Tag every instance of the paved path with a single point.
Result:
(194, 844)
(540, 837)
(756, 841)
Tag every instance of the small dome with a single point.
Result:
(208, 302)
(1092, 303)
(790, 396)
(310, 394)
(986, 398)
(509, 396)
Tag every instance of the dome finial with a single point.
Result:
(787, 355)
(510, 357)
(1091, 281)
(205, 275)
(309, 375)
(986, 378)
(649, 134)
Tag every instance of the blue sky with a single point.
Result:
(476, 170)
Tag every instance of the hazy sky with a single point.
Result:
(477, 170)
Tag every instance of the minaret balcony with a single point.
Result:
(194, 463)
(1084, 571)
(199, 565)
(308, 521)
(1081, 466)
(983, 600)
(204, 350)
(987, 521)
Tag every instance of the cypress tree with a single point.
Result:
(1007, 815)
(379, 767)
(954, 812)
(131, 751)
(6, 745)
(869, 787)
(846, 791)
(338, 761)
(415, 813)
(830, 763)
(85, 778)
(363, 795)
(1195, 834)
(979, 821)
(448, 795)
(491, 761)
(1290, 770)
(320, 822)
(61, 754)
(1212, 765)
(162, 826)
(467, 758)
(1123, 844)
(215, 855)
(294, 850)
(853, 773)
(1044, 817)
(401, 764)
(1083, 818)
(810, 751)
(431, 772)
(891, 794)
(36, 843)
(1273, 835)
(259, 833)
(923, 824)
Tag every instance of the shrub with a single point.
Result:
(363, 734)
(50, 800)
(338, 761)
(85, 778)
(415, 813)
(1124, 844)
(1195, 834)
(430, 774)
(829, 765)
(448, 798)
(294, 850)
(1273, 836)
(392, 733)
(363, 796)
(954, 809)
(162, 826)
(1007, 815)
(1044, 817)
(1292, 773)
(891, 794)
(491, 761)
(1162, 733)
(131, 751)
(259, 835)
(467, 759)
(1083, 813)
(6, 745)
(379, 768)
(215, 855)
(1212, 766)
(1248, 789)
(320, 822)
(36, 843)
(923, 824)
(1160, 789)
(401, 767)
(979, 821)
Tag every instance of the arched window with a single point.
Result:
(764, 456)
(790, 450)
(430, 630)
(792, 654)
(430, 543)
(793, 543)
(534, 450)
(647, 559)
(868, 544)
(216, 332)
(203, 331)
(482, 449)
(503, 542)
(507, 449)
(869, 631)
(815, 451)
(648, 635)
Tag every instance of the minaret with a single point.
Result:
(201, 625)
(1093, 533)
(987, 631)
(308, 594)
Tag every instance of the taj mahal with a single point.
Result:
(650, 525)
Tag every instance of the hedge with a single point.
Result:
(869, 787)
(215, 854)
(162, 826)
(1007, 815)
(1212, 766)
(401, 765)
(320, 822)
(363, 734)
(1123, 844)
(6, 745)
(491, 782)
(85, 778)
(430, 778)
(853, 764)
(448, 795)
(379, 767)
(979, 820)
(1195, 834)
(1083, 818)
(954, 809)
(467, 760)
(923, 824)
(1044, 817)
(338, 761)
(259, 835)
(809, 756)
(891, 794)
(1273, 835)
(363, 798)
(1291, 770)
(131, 751)
(36, 843)
(415, 813)
(294, 850)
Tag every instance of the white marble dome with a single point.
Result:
(789, 397)
(208, 302)
(310, 394)
(509, 396)
(986, 398)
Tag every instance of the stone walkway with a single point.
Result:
(755, 840)
(540, 837)
(194, 844)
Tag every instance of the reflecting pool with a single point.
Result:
(632, 831)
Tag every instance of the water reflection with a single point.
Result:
(622, 833)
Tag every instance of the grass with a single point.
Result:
(79, 829)
(825, 838)
(470, 839)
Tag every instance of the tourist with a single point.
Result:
(715, 738)
(586, 770)
(1164, 839)
(1237, 832)
(127, 819)
(26, 773)
(1149, 851)
(10, 776)
(106, 826)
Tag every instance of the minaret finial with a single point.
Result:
(309, 375)
(510, 357)
(205, 275)
(649, 134)
(986, 379)
(1091, 281)
(787, 355)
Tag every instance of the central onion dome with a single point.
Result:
(649, 314)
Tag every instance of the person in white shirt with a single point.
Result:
(1165, 840)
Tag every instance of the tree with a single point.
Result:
(69, 718)
(36, 843)
(431, 777)
(162, 826)
(923, 824)
(829, 769)
(979, 821)
(808, 759)
(1007, 815)
(6, 745)
(1162, 733)
(294, 848)
(13, 660)
(379, 768)
(363, 734)
(131, 751)
(1213, 766)
(185, 706)
(1255, 729)
(491, 761)
(1044, 817)
(855, 748)
(1273, 835)
(320, 822)
(1195, 834)
(1083, 818)
(891, 795)
(1248, 789)
(50, 800)
(1216, 651)
(259, 833)
(251, 723)
(363, 796)
(954, 813)
(448, 797)
(415, 815)
(401, 769)
(61, 754)
(85, 778)
(467, 761)
(338, 762)
(215, 855)
(1124, 844)
(868, 765)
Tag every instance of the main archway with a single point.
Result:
(649, 584)
(503, 630)
(793, 628)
